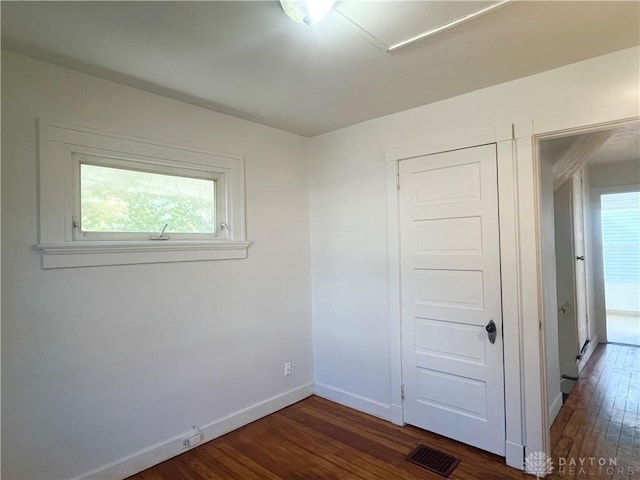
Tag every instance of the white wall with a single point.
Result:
(622, 299)
(589, 264)
(550, 296)
(614, 174)
(0, 299)
(352, 354)
(102, 363)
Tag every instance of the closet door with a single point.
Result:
(451, 296)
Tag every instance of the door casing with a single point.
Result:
(532, 134)
(503, 138)
(519, 205)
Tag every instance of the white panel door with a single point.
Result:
(450, 261)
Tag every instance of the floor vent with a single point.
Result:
(433, 460)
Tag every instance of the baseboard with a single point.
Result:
(397, 414)
(566, 385)
(624, 313)
(587, 354)
(569, 368)
(554, 408)
(354, 401)
(160, 452)
(514, 455)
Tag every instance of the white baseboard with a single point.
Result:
(514, 455)
(624, 313)
(160, 452)
(397, 414)
(567, 385)
(587, 354)
(352, 400)
(554, 408)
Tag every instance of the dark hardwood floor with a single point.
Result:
(319, 440)
(601, 419)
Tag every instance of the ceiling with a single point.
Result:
(622, 146)
(249, 60)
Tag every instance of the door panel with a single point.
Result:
(449, 235)
(452, 374)
(448, 184)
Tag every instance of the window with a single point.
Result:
(110, 199)
(118, 201)
(621, 252)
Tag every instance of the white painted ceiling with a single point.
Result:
(622, 146)
(248, 59)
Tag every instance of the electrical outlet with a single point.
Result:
(287, 369)
(193, 440)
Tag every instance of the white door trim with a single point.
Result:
(511, 275)
(584, 121)
(518, 187)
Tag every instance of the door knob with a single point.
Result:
(581, 257)
(491, 330)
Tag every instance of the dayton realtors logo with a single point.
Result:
(592, 466)
(538, 464)
(541, 465)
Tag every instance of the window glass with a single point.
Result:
(621, 239)
(121, 200)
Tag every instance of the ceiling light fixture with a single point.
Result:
(307, 11)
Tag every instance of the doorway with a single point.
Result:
(575, 172)
(598, 160)
(620, 216)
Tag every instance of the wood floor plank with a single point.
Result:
(345, 457)
(223, 462)
(199, 469)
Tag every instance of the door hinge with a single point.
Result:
(402, 391)
(397, 181)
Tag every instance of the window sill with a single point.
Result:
(101, 253)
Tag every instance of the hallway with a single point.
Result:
(599, 425)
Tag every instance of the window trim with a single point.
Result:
(61, 146)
